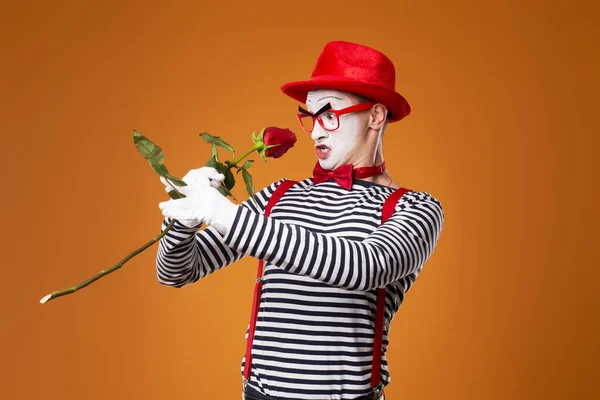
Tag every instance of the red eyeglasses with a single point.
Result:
(328, 119)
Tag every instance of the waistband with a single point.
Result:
(249, 393)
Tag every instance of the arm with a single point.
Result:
(186, 255)
(394, 250)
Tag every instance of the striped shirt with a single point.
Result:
(326, 253)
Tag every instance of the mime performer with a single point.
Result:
(339, 249)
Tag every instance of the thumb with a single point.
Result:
(214, 175)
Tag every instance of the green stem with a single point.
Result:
(230, 166)
(174, 188)
(256, 147)
(102, 273)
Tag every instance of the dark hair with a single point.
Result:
(362, 99)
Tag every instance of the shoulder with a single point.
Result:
(420, 214)
(422, 204)
(294, 183)
(418, 199)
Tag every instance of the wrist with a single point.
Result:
(184, 225)
(226, 218)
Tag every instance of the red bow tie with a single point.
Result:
(345, 174)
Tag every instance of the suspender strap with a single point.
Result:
(388, 210)
(275, 197)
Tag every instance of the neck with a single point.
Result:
(373, 159)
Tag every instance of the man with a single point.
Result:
(325, 248)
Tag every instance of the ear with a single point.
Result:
(377, 116)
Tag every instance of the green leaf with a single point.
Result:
(208, 138)
(215, 152)
(225, 192)
(229, 180)
(176, 181)
(261, 134)
(151, 152)
(219, 166)
(211, 163)
(145, 146)
(155, 157)
(217, 141)
(160, 169)
(176, 195)
(246, 165)
(262, 154)
(159, 158)
(248, 181)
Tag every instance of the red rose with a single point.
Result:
(282, 139)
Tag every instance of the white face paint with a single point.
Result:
(341, 142)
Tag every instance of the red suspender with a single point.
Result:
(275, 197)
(387, 211)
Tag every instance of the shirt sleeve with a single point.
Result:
(397, 248)
(186, 255)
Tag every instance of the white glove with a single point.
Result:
(195, 179)
(205, 176)
(204, 204)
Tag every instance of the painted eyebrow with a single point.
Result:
(326, 107)
(326, 97)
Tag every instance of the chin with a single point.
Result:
(327, 163)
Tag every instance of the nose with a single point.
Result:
(318, 132)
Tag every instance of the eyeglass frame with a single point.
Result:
(327, 108)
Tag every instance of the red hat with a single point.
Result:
(353, 68)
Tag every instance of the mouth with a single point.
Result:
(322, 151)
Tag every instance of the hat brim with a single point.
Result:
(395, 102)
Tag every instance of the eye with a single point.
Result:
(328, 116)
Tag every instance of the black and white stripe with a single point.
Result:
(325, 254)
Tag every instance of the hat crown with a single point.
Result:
(355, 61)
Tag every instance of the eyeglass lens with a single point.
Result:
(330, 121)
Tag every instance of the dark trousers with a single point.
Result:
(252, 394)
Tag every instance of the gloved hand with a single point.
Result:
(205, 176)
(204, 204)
(195, 179)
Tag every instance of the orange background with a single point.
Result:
(504, 99)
